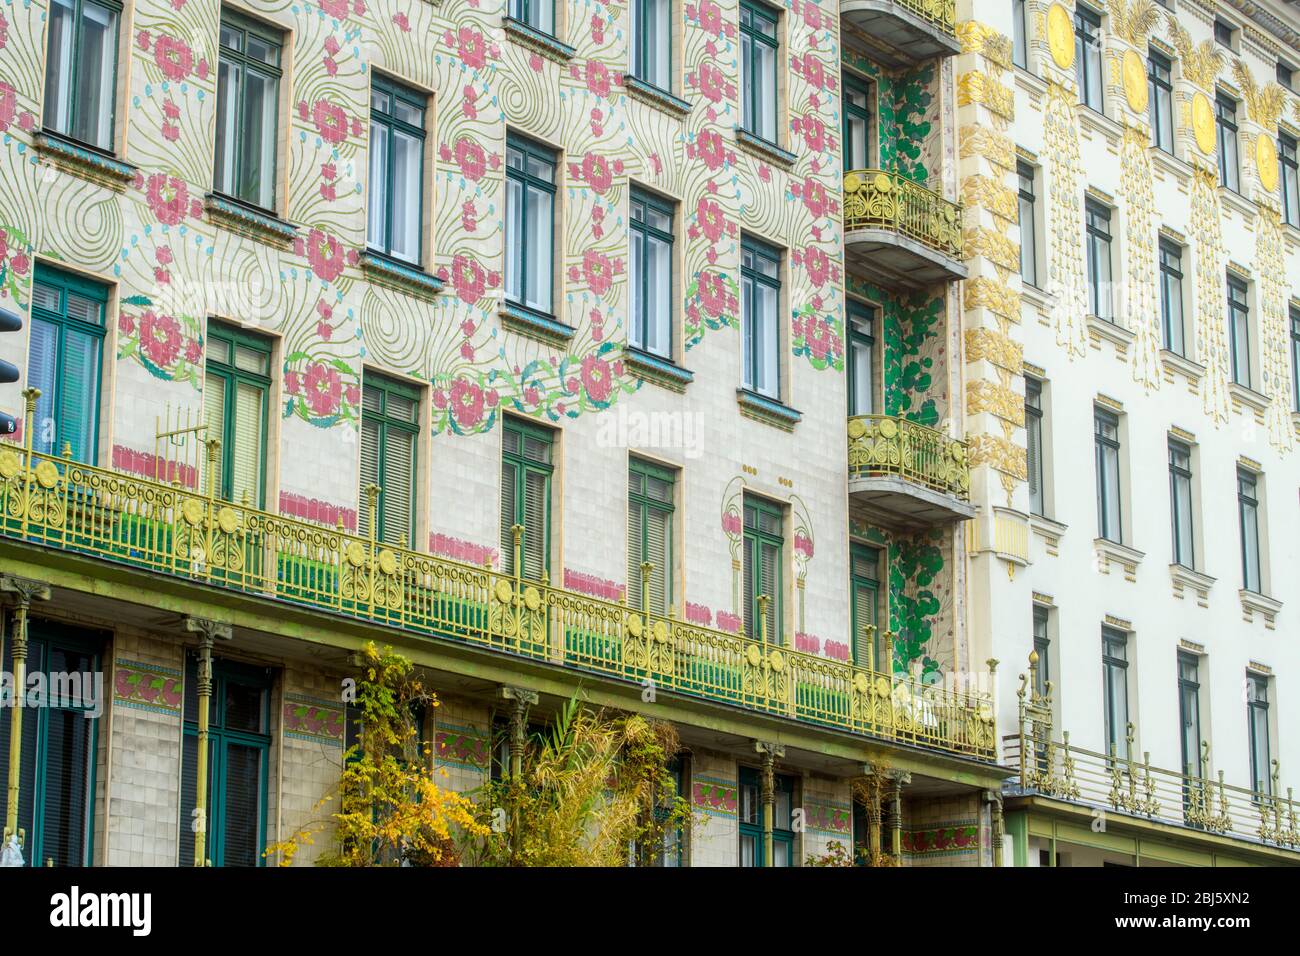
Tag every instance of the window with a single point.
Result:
(81, 70)
(760, 292)
(1295, 355)
(650, 535)
(758, 49)
(530, 223)
(864, 587)
(752, 813)
(1261, 764)
(1286, 76)
(1248, 518)
(1034, 443)
(538, 14)
(672, 852)
(1180, 503)
(1114, 664)
(1225, 121)
(56, 789)
(1289, 175)
(1028, 225)
(650, 278)
(239, 745)
(763, 561)
(1098, 225)
(862, 358)
(1223, 33)
(1087, 56)
(236, 389)
(394, 220)
(1160, 96)
(652, 42)
(67, 343)
(1171, 296)
(1106, 432)
(1239, 331)
(857, 123)
(390, 431)
(1019, 44)
(248, 106)
(526, 469)
(1043, 648)
(1189, 712)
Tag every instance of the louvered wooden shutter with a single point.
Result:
(751, 630)
(509, 489)
(398, 491)
(246, 453)
(771, 557)
(864, 614)
(78, 374)
(635, 539)
(658, 530)
(537, 517)
(369, 469)
(41, 371)
(214, 410)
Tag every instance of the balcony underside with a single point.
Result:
(905, 503)
(887, 258)
(897, 36)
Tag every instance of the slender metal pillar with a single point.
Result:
(25, 591)
(209, 632)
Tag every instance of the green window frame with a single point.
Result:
(1028, 224)
(237, 400)
(1171, 296)
(1248, 521)
(527, 469)
(864, 610)
(857, 122)
(862, 357)
(1261, 761)
(651, 268)
(650, 493)
(1239, 330)
(65, 361)
(764, 566)
(397, 115)
(1114, 662)
(1035, 478)
(759, 52)
(753, 813)
(1043, 647)
(651, 43)
(1087, 56)
(1019, 45)
(390, 451)
(760, 302)
(530, 224)
(245, 163)
(1110, 518)
(239, 747)
(1099, 260)
(1289, 176)
(1160, 93)
(59, 749)
(1189, 712)
(1180, 503)
(1225, 127)
(81, 71)
(538, 14)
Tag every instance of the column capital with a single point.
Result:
(209, 631)
(769, 749)
(520, 695)
(25, 590)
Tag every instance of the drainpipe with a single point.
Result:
(25, 591)
(209, 632)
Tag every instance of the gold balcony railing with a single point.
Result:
(194, 536)
(875, 199)
(888, 445)
(1123, 783)
(941, 14)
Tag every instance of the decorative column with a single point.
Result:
(522, 698)
(897, 780)
(209, 632)
(871, 793)
(996, 826)
(25, 591)
(769, 753)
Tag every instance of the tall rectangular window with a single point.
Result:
(1028, 225)
(81, 70)
(1114, 664)
(650, 274)
(1225, 122)
(390, 432)
(1087, 56)
(526, 468)
(396, 213)
(538, 14)
(67, 343)
(1171, 296)
(763, 570)
(1043, 648)
(1106, 437)
(1189, 712)
(1019, 39)
(857, 122)
(862, 358)
(1223, 34)
(239, 746)
(1034, 443)
(1180, 503)
(1295, 355)
(752, 822)
(1160, 98)
(1099, 285)
(864, 587)
(1261, 761)
(652, 42)
(1248, 519)
(1239, 330)
(1289, 175)
(530, 224)
(650, 535)
(760, 294)
(1285, 76)
(248, 108)
(758, 55)
(56, 791)
(236, 398)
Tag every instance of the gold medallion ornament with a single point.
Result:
(1203, 123)
(1060, 36)
(1135, 82)
(1266, 161)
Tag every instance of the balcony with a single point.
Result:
(898, 233)
(196, 538)
(906, 473)
(904, 32)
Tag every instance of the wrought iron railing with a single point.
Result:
(888, 445)
(875, 199)
(941, 14)
(196, 536)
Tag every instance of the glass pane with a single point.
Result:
(380, 197)
(242, 801)
(244, 707)
(41, 364)
(258, 148)
(96, 76)
(78, 396)
(659, 297)
(408, 164)
(766, 331)
(58, 68)
(635, 280)
(514, 239)
(659, 41)
(539, 239)
(66, 787)
(860, 362)
(229, 82)
(765, 92)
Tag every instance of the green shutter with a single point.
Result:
(247, 442)
(526, 479)
(650, 511)
(399, 490)
(658, 531)
(369, 469)
(509, 492)
(537, 522)
(635, 550)
(389, 446)
(214, 417)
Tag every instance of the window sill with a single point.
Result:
(652, 95)
(1252, 603)
(1236, 201)
(1093, 119)
(1173, 362)
(1042, 301)
(1108, 552)
(1244, 395)
(535, 325)
(769, 411)
(1184, 578)
(1050, 530)
(399, 276)
(657, 370)
(548, 46)
(1117, 335)
(1167, 161)
(84, 162)
(249, 222)
(763, 149)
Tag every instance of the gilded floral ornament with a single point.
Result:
(1211, 330)
(1264, 104)
(1275, 378)
(1139, 264)
(1201, 62)
(1060, 36)
(1132, 22)
(1065, 226)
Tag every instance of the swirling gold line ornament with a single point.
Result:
(1266, 161)
(1203, 123)
(1060, 36)
(1135, 82)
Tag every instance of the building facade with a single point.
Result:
(673, 354)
